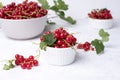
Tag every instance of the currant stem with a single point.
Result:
(70, 45)
(37, 56)
(3, 60)
(75, 33)
(35, 43)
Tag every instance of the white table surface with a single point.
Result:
(87, 66)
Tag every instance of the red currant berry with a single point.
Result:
(46, 33)
(21, 58)
(60, 42)
(17, 62)
(74, 39)
(87, 43)
(57, 35)
(57, 46)
(35, 62)
(23, 66)
(31, 58)
(62, 36)
(64, 45)
(28, 66)
(41, 38)
(80, 46)
(17, 56)
(92, 49)
(68, 39)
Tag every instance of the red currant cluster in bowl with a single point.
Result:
(63, 38)
(25, 63)
(24, 10)
(100, 14)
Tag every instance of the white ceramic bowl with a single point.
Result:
(24, 28)
(59, 56)
(101, 23)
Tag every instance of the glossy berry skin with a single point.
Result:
(80, 46)
(60, 42)
(31, 57)
(68, 39)
(24, 10)
(60, 33)
(57, 46)
(47, 32)
(35, 62)
(71, 39)
(57, 35)
(17, 62)
(100, 14)
(28, 67)
(41, 38)
(85, 46)
(26, 63)
(63, 38)
(64, 45)
(24, 66)
(92, 49)
(17, 56)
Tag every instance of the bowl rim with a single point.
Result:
(45, 16)
(99, 19)
(48, 47)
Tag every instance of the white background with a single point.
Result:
(87, 66)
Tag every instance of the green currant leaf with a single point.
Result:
(1, 5)
(104, 35)
(54, 8)
(61, 14)
(44, 4)
(11, 65)
(51, 23)
(59, 7)
(49, 39)
(10, 61)
(99, 46)
(43, 46)
(62, 5)
(6, 67)
(55, 2)
(68, 19)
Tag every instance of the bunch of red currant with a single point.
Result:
(100, 14)
(86, 46)
(63, 38)
(24, 10)
(25, 63)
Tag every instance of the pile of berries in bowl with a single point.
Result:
(59, 47)
(24, 20)
(100, 18)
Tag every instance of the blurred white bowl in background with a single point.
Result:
(24, 28)
(101, 23)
